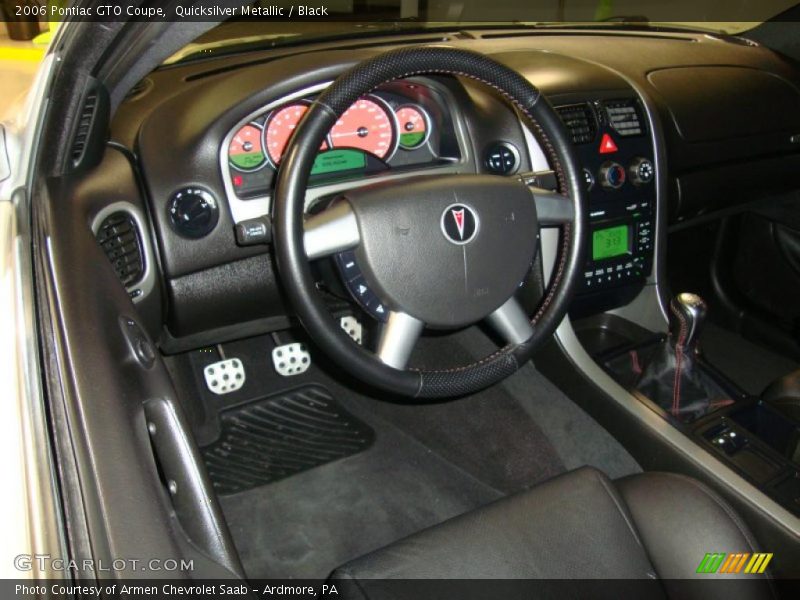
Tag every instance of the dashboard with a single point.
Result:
(654, 150)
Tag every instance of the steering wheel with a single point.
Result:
(442, 252)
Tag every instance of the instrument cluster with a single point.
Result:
(401, 125)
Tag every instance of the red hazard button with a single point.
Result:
(607, 145)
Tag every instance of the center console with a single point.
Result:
(614, 146)
(757, 437)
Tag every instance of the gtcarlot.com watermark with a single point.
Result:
(45, 562)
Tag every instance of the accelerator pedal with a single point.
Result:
(352, 327)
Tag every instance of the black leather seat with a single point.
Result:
(580, 525)
(784, 394)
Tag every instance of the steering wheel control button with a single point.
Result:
(291, 359)
(459, 224)
(612, 175)
(352, 327)
(502, 158)
(357, 286)
(225, 376)
(641, 171)
(193, 212)
(251, 232)
(607, 145)
(348, 265)
(378, 310)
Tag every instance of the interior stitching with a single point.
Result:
(676, 386)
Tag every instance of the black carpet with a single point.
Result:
(308, 524)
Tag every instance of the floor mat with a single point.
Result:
(264, 441)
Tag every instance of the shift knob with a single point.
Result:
(687, 313)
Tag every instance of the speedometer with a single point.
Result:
(280, 127)
(368, 125)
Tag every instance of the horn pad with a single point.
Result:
(448, 250)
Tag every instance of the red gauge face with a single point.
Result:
(245, 152)
(413, 126)
(280, 128)
(366, 125)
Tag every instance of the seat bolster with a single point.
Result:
(679, 520)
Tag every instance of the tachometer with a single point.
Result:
(245, 152)
(280, 127)
(414, 125)
(367, 125)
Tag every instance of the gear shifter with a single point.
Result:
(687, 314)
(672, 376)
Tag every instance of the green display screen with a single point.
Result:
(610, 242)
(338, 160)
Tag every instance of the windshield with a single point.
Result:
(280, 22)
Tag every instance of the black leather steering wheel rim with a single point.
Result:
(289, 199)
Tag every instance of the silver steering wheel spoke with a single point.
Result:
(511, 322)
(552, 208)
(397, 339)
(331, 231)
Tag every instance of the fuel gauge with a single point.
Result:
(245, 152)
(414, 124)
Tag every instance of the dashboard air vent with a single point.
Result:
(119, 237)
(624, 117)
(579, 121)
(84, 126)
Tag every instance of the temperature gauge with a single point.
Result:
(414, 125)
(245, 152)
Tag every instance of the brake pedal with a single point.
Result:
(225, 376)
(352, 327)
(291, 359)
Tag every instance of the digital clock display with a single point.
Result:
(610, 242)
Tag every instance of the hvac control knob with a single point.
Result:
(641, 171)
(193, 212)
(611, 175)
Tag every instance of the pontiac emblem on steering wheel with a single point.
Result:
(459, 224)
